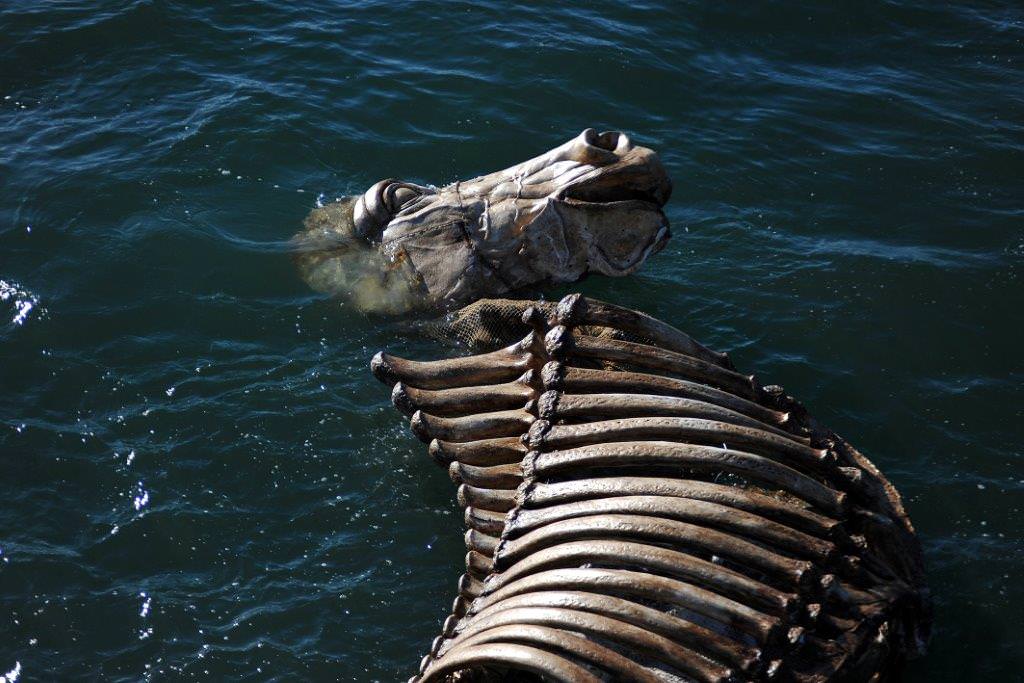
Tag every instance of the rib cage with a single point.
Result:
(643, 512)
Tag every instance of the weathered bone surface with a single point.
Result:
(637, 510)
(592, 204)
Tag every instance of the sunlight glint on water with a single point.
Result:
(200, 478)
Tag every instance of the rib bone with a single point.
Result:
(668, 521)
(705, 459)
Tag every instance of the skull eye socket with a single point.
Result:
(608, 141)
(399, 193)
(401, 197)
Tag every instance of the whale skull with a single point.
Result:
(592, 204)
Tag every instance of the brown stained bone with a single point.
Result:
(664, 532)
(488, 521)
(503, 365)
(575, 310)
(461, 401)
(483, 453)
(480, 542)
(568, 643)
(653, 559)
(476, 427)
(460, 606)
(479, 565)
(721, 517)
(895, 541)
(554, 405)
(730, 618)
(497, 500)
(706, 459)
(561, 342)
(495, 477)
(684, 429)
(667, 494)
(577, 380)
(470, 587)
(623, 633)
(520, 657)
(543, 494)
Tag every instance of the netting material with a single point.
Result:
(490, 324)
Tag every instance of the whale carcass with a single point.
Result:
(639, 510)
(592, 204)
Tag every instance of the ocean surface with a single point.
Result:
(200, 479)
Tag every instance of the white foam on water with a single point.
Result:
(22, 301)
(141, 498)
(147, 602)
(14, 674)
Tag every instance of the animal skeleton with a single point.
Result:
(638, 510)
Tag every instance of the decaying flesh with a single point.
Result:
(592, 204)
(638, 510)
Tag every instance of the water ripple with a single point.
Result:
(846, 218)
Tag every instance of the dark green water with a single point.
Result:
(199, 478)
